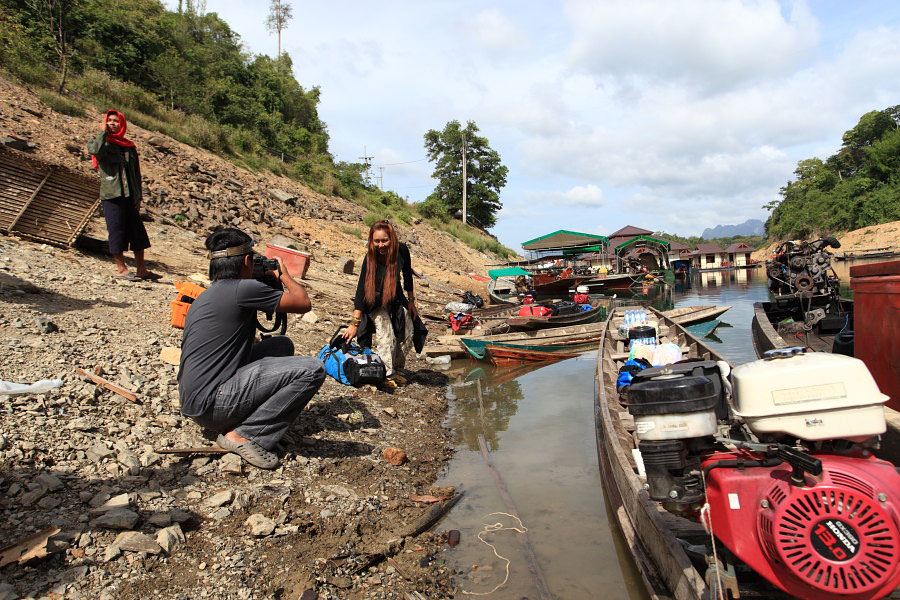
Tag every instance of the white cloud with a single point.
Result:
(583, 195)
(708, 43)
(492, 29)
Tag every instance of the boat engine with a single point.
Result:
(803, 267)
(809, 507)
(783, 474)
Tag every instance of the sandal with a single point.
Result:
(150, 276)
(129, 276)
(250, 451)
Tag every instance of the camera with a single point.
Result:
(262, 266)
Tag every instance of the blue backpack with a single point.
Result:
(349, 364)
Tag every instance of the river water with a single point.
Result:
(537, 426)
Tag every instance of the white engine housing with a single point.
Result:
(813, 396)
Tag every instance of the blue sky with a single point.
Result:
(669, 115)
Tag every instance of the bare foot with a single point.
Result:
(234, 436)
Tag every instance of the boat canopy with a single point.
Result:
(563, 239)
(507, 272)
(645, 239)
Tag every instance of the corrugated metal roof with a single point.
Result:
(708, 249)
(740, 247)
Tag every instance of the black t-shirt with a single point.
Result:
(405, 264)
(219, 331)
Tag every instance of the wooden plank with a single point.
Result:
(30, 200)
(108, 385)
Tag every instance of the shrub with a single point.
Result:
(62, 104)
(354, 231)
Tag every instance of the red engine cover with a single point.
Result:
(836, 538)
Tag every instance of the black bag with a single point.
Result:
(567, 307)
(364, 368)
(351, 365)
(473, 299)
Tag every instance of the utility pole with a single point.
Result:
(381, 178)
(464, 177)
(365, 158)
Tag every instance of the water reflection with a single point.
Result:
(538, 423)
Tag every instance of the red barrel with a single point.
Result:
(876, 323)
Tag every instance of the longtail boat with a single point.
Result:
(686, 315)
(772, 328)
(695, 502)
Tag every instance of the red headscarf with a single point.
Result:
(117, 138)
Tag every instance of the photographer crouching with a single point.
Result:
(250, 393)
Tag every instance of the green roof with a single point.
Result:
(643, 237)
(507, 272)
(563, 238)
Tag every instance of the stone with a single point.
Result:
(282, 196)
(170, 355)
(220, 499)
(230, 463)
(310, 317)
(160, 519)
(170, 538)
(160, 143)
(33, 496)
(49, 502)
(120, 501)
(394, 456)
(111, 552)
(49, 481)
(45, 325)
(8, 592)
(260, 525)
(346, 265)
(135, 541)
(117, 518)
(98, 452)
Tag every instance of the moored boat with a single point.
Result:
(707, 514)
(687, 315)
(781, 325)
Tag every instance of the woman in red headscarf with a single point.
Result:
(116, 159)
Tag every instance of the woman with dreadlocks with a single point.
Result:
(380, 304)
(116, 159)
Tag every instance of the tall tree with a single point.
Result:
(280, 13)
(485, 174)
(55, 15)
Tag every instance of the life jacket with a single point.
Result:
(460, 320)
(581, 299)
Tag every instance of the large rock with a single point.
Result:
(135, 541)
(170, 355)
(220, 499)
(282, 196)
(260, 525)
(118, 518)
(346, 265)
(170, 538)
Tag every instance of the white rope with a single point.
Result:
(490, 529)
(706, 518)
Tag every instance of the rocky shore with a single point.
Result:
(82, 464)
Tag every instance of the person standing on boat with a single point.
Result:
(380, 305)
(116, 159)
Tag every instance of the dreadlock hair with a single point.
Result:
(228, 267)
(392, 272)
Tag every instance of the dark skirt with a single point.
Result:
(124, 226)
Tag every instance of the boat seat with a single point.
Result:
(621, 356)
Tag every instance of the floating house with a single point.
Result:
(709, 256)
(739, 255)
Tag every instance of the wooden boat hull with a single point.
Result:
(650, 532)
(547, 286)
(496, 298)
(588, 316)
(622, 281)
(688, 315)
(765, 336)
(505, 355)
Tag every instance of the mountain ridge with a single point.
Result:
(748, 227)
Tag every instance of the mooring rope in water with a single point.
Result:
(498, 526)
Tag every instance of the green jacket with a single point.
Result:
(120, 170)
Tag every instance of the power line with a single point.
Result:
(409, 162)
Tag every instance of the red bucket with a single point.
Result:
(295, 261)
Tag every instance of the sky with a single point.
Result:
(669, 115)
